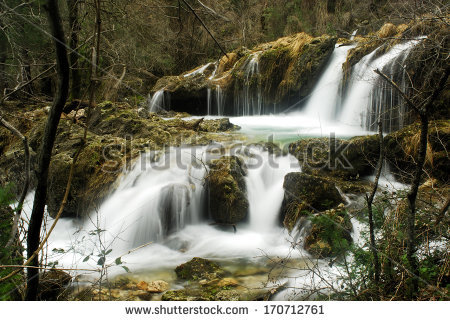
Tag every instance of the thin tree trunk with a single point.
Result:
(370, 199)
(206, 28)
(412, 196)
(75, 90)
(94, 81)
(46, 147)
(26, 72)
(3, 55)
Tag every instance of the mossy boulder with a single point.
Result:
(288, 70)
(347, 159)
(117, 134)
(217, 125)
(402, 149)
(303, 194)
(226, 190)
(329, 233)
(198, 269)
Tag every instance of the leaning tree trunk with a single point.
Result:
(46, 147)
(75, 89)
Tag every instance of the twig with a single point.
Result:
(26, 84)
(45, 268)
(206, 28)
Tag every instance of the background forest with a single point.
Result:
(143, 40)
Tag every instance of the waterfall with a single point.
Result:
(265, 187)
(219, 101)
(197, 71)
(154, 199)
(368, 97)
(161, 200)
(325, 99)
(248, 99)
(157, 103)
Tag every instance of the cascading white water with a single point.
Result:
(197, 71)
(364, 100)
(326, 97)
(157, 102)
(248, 99)
(265, 188)
(161, 201)
(155, 199)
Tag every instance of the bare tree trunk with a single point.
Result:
(412, 196)
(370, 199)
(26, 72)
(331, 6)
(3, 55)
(46, 147)
(75, 90)
(94, 81)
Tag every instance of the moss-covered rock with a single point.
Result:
(117, 134)
(226, 190)
(304, 194)
(347, 159)
(329, 233)
(402, 149)
(198, 269)
(288, 70)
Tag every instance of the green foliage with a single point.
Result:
(8, 256)
(330, 231)
(7, 195)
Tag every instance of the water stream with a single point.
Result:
(160, 202)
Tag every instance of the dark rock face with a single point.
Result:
(198, 269)
(226, 190)
(305, 194)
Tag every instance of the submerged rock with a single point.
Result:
(226, 190)
(305, 194)
(198, 268)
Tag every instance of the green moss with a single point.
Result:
(198, 269)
